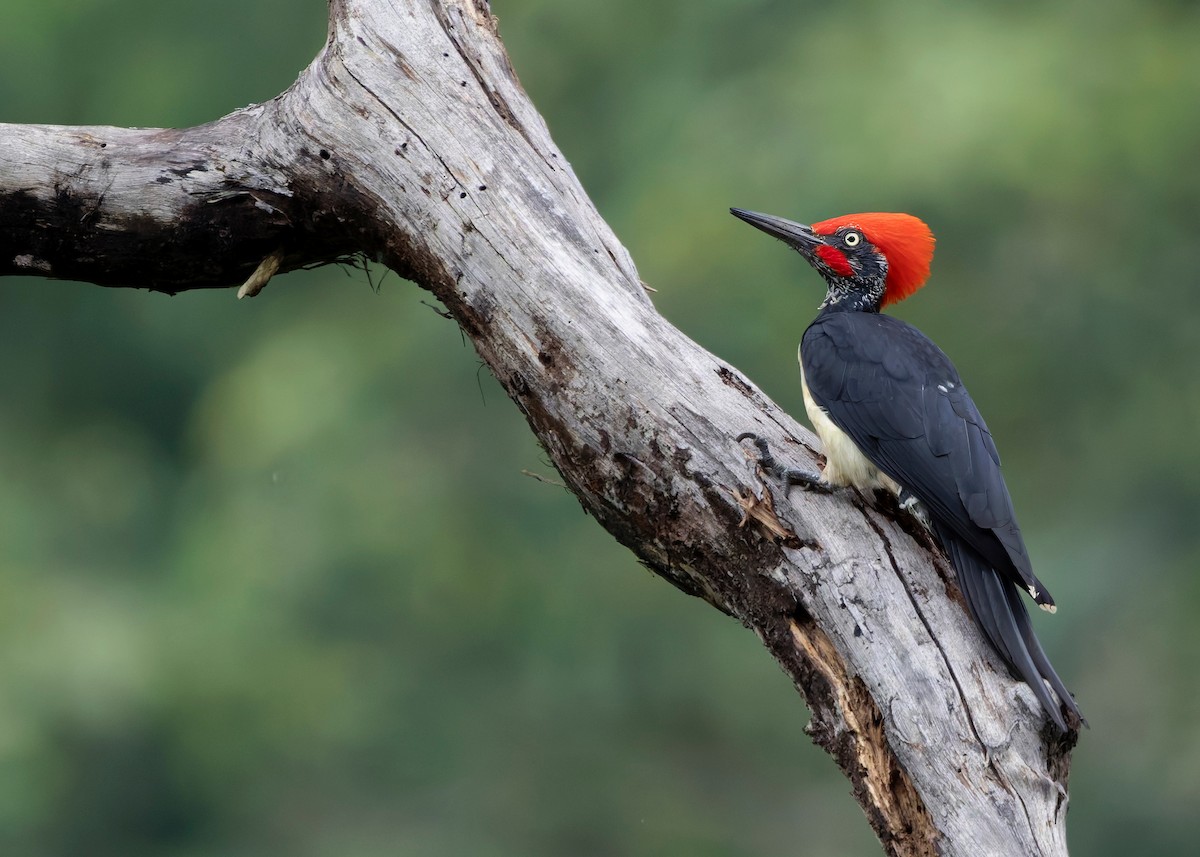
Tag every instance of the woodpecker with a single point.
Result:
(893, 413)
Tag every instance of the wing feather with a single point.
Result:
(901, 401)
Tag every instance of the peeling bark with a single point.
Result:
(410, 141)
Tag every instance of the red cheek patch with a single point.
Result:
(836, 260)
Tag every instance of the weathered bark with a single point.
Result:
(410, 140)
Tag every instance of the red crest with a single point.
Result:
(904, 240)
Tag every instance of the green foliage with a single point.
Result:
(271, 580)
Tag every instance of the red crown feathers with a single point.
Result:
(904, 240)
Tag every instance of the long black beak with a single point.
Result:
(794, 234)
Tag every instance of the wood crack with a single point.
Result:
(900, 817)
(887, 548)
(403, 124)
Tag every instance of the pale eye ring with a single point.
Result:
(852, 239)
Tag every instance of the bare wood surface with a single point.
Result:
(410, 141)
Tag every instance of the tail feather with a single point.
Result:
(1039, 655)
(1000, 611)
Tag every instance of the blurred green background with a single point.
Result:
(271, 580)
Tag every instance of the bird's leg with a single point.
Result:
(788, 475)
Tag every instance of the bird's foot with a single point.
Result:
(911, 505)
(789, 476)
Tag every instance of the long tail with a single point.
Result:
(1000, 612)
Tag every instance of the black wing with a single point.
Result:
(899, 398)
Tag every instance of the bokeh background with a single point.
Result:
(272, 581)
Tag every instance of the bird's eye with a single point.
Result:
(852, 239)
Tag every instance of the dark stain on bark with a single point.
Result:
(194, 167)
(631, 485)
(208, 229)
(207, 244)
(553, 355)
(732, 379)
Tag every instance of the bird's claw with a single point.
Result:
(789, 476)
(765, 459)
(910, 504)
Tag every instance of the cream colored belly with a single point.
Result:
(844, 464)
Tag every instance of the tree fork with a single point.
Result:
(410, 141)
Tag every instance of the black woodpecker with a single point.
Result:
(892, 413)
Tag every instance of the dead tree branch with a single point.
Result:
(409, 140)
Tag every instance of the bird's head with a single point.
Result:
(868, 260)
